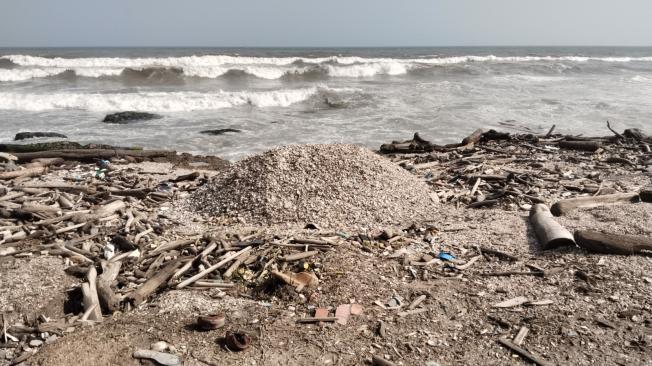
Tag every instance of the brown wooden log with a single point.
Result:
(29, 172)
(549, 232)
(564, 206)
(591, 146)
(93, 154)
(610, 243)
(141, 294)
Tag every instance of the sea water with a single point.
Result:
(302, 95)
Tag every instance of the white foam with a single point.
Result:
(262, 67)
(155, 101)
(26, 74)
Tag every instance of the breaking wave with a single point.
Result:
(25, 67)
(161, 101)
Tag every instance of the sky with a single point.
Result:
(332, 23)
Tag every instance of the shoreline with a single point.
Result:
(485, 185)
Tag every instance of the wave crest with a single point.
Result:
(24, 67)
(161, 101)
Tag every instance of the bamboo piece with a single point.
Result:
(564, 206)
(613, 243)
(550, 233)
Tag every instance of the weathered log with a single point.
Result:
(550, 233)
(90, 298)
(591, 146)
(564, 206)
(141, 294)
(64, 187)
(610, 243)
(29, 172)
(93, 154)
(108, 299)
(101, 212)
(473, 138)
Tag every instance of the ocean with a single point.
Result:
(303, 95)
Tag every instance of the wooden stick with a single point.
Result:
(520, 337)
(212, 268)
(379, 361)
(317, 320)
(499, 254)
(141, 294)
(590, 146)
(523, 353)
(565, 206)
(609, 243)
(299, 256)
(550, 233)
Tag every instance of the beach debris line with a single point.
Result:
(516, 171)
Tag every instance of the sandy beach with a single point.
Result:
(328, 254)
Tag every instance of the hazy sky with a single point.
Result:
(25, 23)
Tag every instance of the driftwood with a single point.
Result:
(212, 268)
(141, 294)
(550, 233)
(379, 361)
(93, 154)
(100, 212)
(473, 138)
(28, 172)
(523, 353)
(108, 299)
(591, 146)
(609, 243)
(90, 298)
(565, 206)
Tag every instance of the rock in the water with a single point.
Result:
(220, 131)
(129, 116)
(31, 135)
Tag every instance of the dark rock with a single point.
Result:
(31, 135)
(221, 131)
(129, 116)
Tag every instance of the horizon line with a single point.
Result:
(345, 47)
